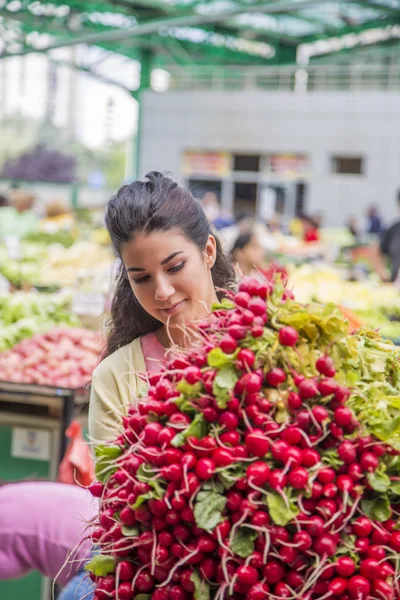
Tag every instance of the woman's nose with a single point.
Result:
(163, 291)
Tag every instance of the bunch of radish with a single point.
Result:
(251, 468)
(62, 357)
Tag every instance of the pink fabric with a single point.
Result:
(40, 523)
(153, 352)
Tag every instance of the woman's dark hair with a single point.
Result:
(157, 204)
(241, 242)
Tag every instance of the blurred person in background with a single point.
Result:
(19, 218)
(249, 259)
(58, 217)
(374, 225)
(390, 248)
(310, 229)
(245, 223)
(4, 203)
(41, 523)
(353, 226)
(211, 206)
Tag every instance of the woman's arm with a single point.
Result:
(105, 408)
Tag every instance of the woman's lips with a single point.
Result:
(173, 309)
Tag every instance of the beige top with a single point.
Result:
(114, 384)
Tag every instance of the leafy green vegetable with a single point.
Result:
(202, 589)
(218, 359)
(101, 565)
(105, 461)
(130, 531)
(142, 597)
(146, 475)
(224, 384)
(377, 508)
(189, 390)
(197, 428)
(243, 542)
(379, 481)
(280, 512)
(208, 509)
(225, 304)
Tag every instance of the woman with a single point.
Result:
(171, 267)
(248, 254)
(249, 258)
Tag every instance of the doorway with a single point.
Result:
(245, 198)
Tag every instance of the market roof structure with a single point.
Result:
(200, 32)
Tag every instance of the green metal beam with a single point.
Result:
(388, 10)
(187, 20)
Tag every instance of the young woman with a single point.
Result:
(248, 256)
(171, 268)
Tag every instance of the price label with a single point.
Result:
(31, 443)
(13, 246)
(88, 304)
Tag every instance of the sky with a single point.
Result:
(80, 101)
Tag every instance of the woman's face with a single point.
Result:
(252, 255)
(170, 276)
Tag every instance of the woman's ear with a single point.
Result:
(210, 251)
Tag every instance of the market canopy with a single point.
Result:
(196, 33)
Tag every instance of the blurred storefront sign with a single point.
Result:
(287, 166)
(215, 164)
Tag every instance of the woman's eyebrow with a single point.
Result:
(163, 262)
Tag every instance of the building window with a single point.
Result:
(348, 165)
(246, 162)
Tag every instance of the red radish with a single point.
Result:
(308, 389)
(288, 336)
(246, 358)
(228, 344)
(358, 587)
(258, 473)
(274, 571)
(257, 444)
(275, 377)
(298, 478)
(345, 566)
(205, 468)
(325, 366)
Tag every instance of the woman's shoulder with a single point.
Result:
(124, 358)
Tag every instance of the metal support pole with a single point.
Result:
(67, 416)
(145, 75)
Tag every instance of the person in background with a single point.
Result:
(211, 206)
(310, 230)
(58, 217)
(354, 227)
(20, 218)
(248, 254)
(41, 523)
(390, 248)
(374, 221)
(248, 257)
(4, 203)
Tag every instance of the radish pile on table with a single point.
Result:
(262, 464)
(63, 357)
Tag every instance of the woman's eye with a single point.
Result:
(141, 279)
(177, 267)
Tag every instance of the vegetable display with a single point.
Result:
(22, 315)
(62, 357)
(262, 464)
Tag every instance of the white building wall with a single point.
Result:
(318, 124)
